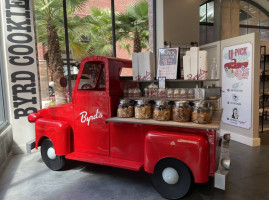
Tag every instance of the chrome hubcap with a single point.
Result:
(51, 153)
(170, 175)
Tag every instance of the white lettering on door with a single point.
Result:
(85, 118)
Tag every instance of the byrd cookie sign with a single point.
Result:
(237, 69)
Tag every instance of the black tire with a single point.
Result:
(54, 164)
(178, 189)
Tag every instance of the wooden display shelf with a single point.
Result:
(165, 99)
(170, 80)
(215, 125)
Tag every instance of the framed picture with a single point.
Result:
(161, 82)
(168, 63)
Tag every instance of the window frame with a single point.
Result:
(102, 71)
(3, 104)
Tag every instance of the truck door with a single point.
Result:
(91, 106)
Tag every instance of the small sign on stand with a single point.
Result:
(168, 63)
(161, 82)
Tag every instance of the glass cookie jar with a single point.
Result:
(202, 113)
(170, 93)
(162, 111)
(190, 94)
(125, 109)
(137, 93)
(143, 109)
(181, 111)
(153, 90)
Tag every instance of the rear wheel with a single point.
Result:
(53, 161)
(172, 178)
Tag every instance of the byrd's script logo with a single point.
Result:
(88, 119)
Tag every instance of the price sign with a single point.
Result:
(168, 63)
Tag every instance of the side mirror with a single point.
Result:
(63, 82)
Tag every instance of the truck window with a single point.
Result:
(93, 77)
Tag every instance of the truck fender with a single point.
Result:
(59, 132)
(193, 150)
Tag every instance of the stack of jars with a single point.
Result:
(132, 93)
(179, 93)
(184, 93)
(181, 111)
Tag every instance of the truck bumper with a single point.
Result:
(224, 163)
(30, 145)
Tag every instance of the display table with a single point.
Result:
(215, 125)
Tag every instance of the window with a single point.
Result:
(93, 77)
(206, 22)
(252, 17)
(2, 101)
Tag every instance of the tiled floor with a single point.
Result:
(25, 177)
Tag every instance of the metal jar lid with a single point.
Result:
(201, 104)
(161, 103)
(124, 101)
(142, 102)
(182, 103)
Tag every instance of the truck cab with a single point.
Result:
(87, 130)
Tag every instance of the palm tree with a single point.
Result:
(133, 25)
(99, 31)
(49, 20)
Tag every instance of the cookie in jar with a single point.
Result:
(162, 111)
(181, 111)
(202, 113)
(125, 109)
(143, 109)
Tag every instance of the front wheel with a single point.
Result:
(53, 161)
(172, 178)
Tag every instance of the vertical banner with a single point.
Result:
(237, 61)
(18, 35)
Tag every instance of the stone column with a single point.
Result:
(226, 19)
(230, 19)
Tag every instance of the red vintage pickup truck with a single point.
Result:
(235, 65)
(176, 154)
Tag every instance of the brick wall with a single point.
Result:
(44, 84)
(40, 51)
(120, 5)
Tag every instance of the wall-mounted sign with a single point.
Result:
(237, 61)
(18, 36)
(168, 63)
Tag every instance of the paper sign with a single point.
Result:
(237, 85)
(168, 63)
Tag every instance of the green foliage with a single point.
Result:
(134, 20)
(92, 35)
(50, 13)
(99, 32)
